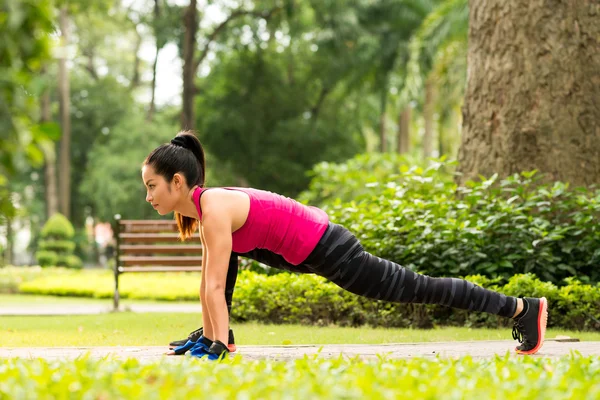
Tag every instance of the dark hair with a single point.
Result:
(184, 154)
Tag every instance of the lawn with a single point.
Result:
(155, 329)
(27, 301)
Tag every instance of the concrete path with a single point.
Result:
(89, 309)
(477, 349)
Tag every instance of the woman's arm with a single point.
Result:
(206, 324)
(216, 230)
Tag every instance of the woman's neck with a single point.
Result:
(187, 206)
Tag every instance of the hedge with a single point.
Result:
(309, 299)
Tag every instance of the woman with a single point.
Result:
(286, 234)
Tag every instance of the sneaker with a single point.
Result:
(201, 347)
(192, 337)
(218, 351)
(530, 328)
(195, 335)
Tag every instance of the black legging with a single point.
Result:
(340, 258)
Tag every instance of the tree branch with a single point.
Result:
(236, 14)
(317, 107)
(89, 65)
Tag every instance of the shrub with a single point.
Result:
(58, 227)
(420, 218)
(356, 178)
(46, 258)
(311, 300)
(72, 261)
(56, 244)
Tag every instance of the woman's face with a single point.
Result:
(158, 191)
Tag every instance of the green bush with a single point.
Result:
(311, 377)
(58, 227)
(46, 258)
(71, 261)
(59, 246)
(309, 299)
(56, 244)
(11, 277)
(356, 178)
(421, 219)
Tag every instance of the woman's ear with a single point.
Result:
(178, 180)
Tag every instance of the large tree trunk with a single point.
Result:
(50, 161)
(190, 22)
(65, 121)
(428, 116)
(158, 46)
(404, 130)
(533, 90)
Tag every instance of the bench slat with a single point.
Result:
(147, 221)
(164, 249)
(157, 260)
(148, 226)
(160, 269)
(152, 237)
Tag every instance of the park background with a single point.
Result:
(457, 138)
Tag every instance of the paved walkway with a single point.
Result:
(83, 309)
(478, 349)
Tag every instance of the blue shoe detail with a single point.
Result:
(199, 350)
(183, 349)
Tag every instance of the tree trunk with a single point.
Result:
(10, 246)
(382, 120)
(533, 90)
(190, 22)
(428, 116)
(136, 78)
(152, 108)
(50, 161)
(65, 121)
(382, 136)
(404, 130)
(441, 138)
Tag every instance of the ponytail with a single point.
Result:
(186, 225)
(183, 154)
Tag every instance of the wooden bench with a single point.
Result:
(153, 246)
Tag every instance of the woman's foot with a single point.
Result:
(530, 326)
(180, 347)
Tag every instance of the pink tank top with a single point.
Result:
(276, 223)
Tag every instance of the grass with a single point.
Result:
(156, 329)
(26, 300)
(573, 377)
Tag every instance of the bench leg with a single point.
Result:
(116, 294)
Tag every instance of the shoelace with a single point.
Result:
(195, 335)
(517, 332)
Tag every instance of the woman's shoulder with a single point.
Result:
(217, 197)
